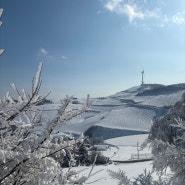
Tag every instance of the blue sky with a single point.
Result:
(98, 47)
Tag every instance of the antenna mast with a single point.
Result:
(142, 73)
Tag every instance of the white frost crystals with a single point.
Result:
(37, 80)
(1, 12)
(1, 50)
(24, 102)
(27, 150)
(167, 141)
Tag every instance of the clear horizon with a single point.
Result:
(94, 47)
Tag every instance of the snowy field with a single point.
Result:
(101, 176)
(126, 146)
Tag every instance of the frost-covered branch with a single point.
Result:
(121, 176)
(1, 50)
(24, 102)
(167, 141)
(1, 12)
(29, 157)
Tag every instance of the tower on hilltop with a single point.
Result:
(142, 75)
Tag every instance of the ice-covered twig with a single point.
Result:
(1, 12)
(24, 100)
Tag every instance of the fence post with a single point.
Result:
(137, 150)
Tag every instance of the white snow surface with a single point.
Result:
(101, 176)
(132, 109)
(123, 147)
(127, 146)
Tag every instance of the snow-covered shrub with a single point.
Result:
(95, 141)
(167, 140)
(121, 177)
(100, 158)
(146, 178)
(82, 154)
(26, 146)
(94, 148)
(143, 179)
(77, 155)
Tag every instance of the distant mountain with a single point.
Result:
(45, 101)
(127, 112)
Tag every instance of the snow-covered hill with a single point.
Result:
(127, 112)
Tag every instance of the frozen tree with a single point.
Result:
(26, 146)
(28, 150)
(1, 12)
(167, 140)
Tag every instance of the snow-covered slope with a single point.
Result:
(130, 110)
